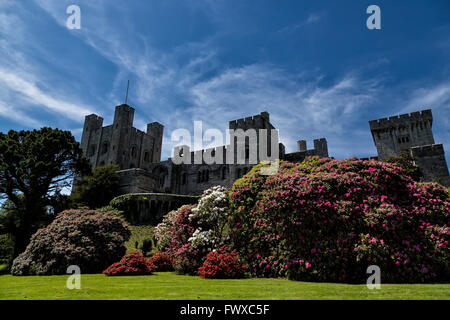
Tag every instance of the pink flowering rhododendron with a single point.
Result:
(328, 220)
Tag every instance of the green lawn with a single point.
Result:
(167, 286)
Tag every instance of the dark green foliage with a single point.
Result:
(90, 239)
(34, 166)
(146, 246)
(6, 248)
(99, 188)
(407, 162)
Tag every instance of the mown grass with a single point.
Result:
(170, 286)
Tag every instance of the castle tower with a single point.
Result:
(412, 132)
(394, 134)
(121, 143)
(257, 122)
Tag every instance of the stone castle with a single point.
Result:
(138, 153)
(412, 132)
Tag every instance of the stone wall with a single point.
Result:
(149, 208)
(431, 160)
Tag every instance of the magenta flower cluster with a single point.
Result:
(186, 259)
(328, 220)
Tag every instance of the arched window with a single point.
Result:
(133, 151)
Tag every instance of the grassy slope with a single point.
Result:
(139, 234)
(166, 286)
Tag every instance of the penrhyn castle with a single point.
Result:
(138, 153)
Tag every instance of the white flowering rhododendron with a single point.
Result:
(163, 233)
(211, 215)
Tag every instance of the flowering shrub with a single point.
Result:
(222, 265)
(328, 220)
(211, 215)
(193, 231)
(162, 261)
(186, 259)
(133, 264)
(87, 238)
(163, 233)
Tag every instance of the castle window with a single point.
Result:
(238, 173)
(146, 156)
(134, 151)
(224, 173)
(104, 147)
(199, 177)
(184, 178)
(162, 179)
(92, 151)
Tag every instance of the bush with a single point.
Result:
(222, 265)
(328, 220)
(90, 239)
(162, 261)
(211, 216)
(163, 230)
(191, 232)
(146, 246)
(133, 264)
(186, 259)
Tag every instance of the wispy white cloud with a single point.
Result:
(31, 93)
(309, 20)
(22, 83)
(300, 108)
(18, 116)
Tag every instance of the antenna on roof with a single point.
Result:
(126, 97)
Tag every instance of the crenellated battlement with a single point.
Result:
(407, 118)
(256, 122)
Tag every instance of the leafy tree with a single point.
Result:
(407, 162)
(34, 167)
(99, 188)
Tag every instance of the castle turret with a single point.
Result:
(156, 131)
(412, 133)
(394, 134)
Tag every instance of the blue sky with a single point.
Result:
(312, 64)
